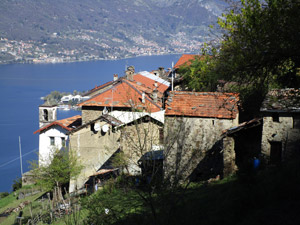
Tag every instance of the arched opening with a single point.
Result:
(45, 115)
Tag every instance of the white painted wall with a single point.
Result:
(45, 148)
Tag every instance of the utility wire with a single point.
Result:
(4, 164)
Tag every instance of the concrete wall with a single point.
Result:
(137, 139)
(191, 140)
(46, 150)
(93, 150)
(281, 131)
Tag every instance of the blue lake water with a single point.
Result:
(22, 85)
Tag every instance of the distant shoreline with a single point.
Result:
(92, 60)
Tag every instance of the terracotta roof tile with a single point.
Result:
(67, 124)
(149, 83)
(202, 104)
(185, 59)
(123, 95)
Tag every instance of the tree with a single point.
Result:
(260, 43)
(199, 75)
(17, 184)
(259, 50)
(63, 165)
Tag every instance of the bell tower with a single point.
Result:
(47, 114)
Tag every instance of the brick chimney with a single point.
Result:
(115, 77)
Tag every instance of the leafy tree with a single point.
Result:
(260, 43)
(17, 184)
(199, 75)
(259, 50)
(63, 165)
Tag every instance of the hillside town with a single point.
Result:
(14, 51)
(198, 133)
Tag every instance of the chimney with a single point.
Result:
(115, 77)
(154, 95)
(143, 97)
(161, 71)
(129, 73)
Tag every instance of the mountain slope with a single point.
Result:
(106, 28)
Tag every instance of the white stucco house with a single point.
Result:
(54, 136)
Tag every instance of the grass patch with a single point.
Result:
(267, 197)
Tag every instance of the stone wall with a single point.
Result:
(192, 140)
(93, 149)
(138, 138)
(281, 131)
(90, 113)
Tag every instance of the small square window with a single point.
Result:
(52, 141)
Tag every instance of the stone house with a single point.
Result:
(94, 143)
(141, 133)
(281, 125)
(194, 122)
(54, 135)
(247, 142)
(143, 94)
(125, 106)
(98, 141)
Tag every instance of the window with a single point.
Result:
(52, 141)
(63, 142)
(275, 117)
(46, 117)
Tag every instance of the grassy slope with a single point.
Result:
(11, 202)
(268, 197)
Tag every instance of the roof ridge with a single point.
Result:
(118, 83)
(146, 97)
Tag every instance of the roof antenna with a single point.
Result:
(172, 76)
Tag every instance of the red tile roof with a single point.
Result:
(99, 87)
(64, 123)
(202, 104)
(123, 95)
(185, 59)
(149, 83)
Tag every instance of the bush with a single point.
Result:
(3, 194)
(17, 184)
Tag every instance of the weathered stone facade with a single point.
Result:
(281, 125)
(192, 141)
(93, 148)
(281, 132)
(138, 138)
(90, 113)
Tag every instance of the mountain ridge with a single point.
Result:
(107, 29)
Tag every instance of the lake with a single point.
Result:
(22, 86)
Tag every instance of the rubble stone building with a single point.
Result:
(281, 125)
(194, 122)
